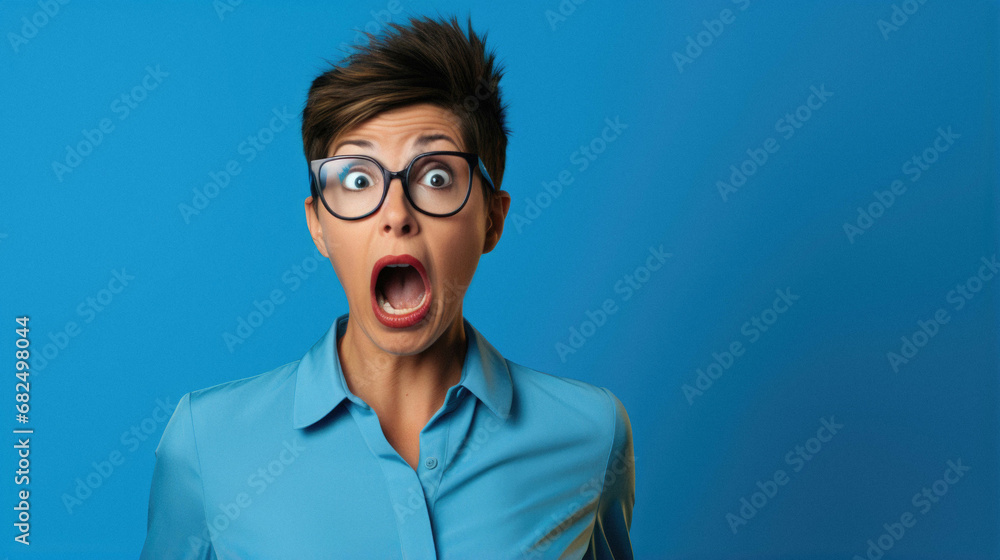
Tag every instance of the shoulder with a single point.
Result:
(570, 402)
(593, 422)
(234, 399)
(234, 404)
(569, 392)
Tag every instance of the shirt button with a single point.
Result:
(431, 462)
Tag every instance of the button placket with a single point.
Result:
(409, 504)
(431, 463)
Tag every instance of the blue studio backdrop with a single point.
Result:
(770, 228)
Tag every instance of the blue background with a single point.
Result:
(654, 185)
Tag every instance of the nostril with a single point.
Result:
(405, 228)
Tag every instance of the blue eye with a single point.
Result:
(436, 178)
(355, 180)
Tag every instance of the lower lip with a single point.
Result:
(401, 321)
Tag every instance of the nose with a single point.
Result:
(397, 216)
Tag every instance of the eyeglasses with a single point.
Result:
(353, 187)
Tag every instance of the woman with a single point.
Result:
(402, 433)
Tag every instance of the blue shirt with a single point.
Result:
(290, 464)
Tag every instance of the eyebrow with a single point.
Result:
(420, 142)
(428, 138)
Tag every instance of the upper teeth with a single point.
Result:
(396, 265)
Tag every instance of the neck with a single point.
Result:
(402, 388)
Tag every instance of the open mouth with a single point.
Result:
(400, 291)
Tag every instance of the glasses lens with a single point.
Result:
(351, 187)
(439, 184)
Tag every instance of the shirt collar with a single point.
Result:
(320, 384)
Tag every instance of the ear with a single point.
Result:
(315, 228)
(495, 219)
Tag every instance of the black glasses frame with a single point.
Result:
(475, 162)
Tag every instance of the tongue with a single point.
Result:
(402, 287)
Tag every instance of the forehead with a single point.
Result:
(422, 125)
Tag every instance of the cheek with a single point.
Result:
(347, 260)
(333, 236)
(460, 254)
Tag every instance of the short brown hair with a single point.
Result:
(426, 61)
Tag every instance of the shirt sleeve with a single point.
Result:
(176, 527)
(610, 540)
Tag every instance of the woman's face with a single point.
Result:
(427, 301)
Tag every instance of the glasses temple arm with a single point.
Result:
(482, 169)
